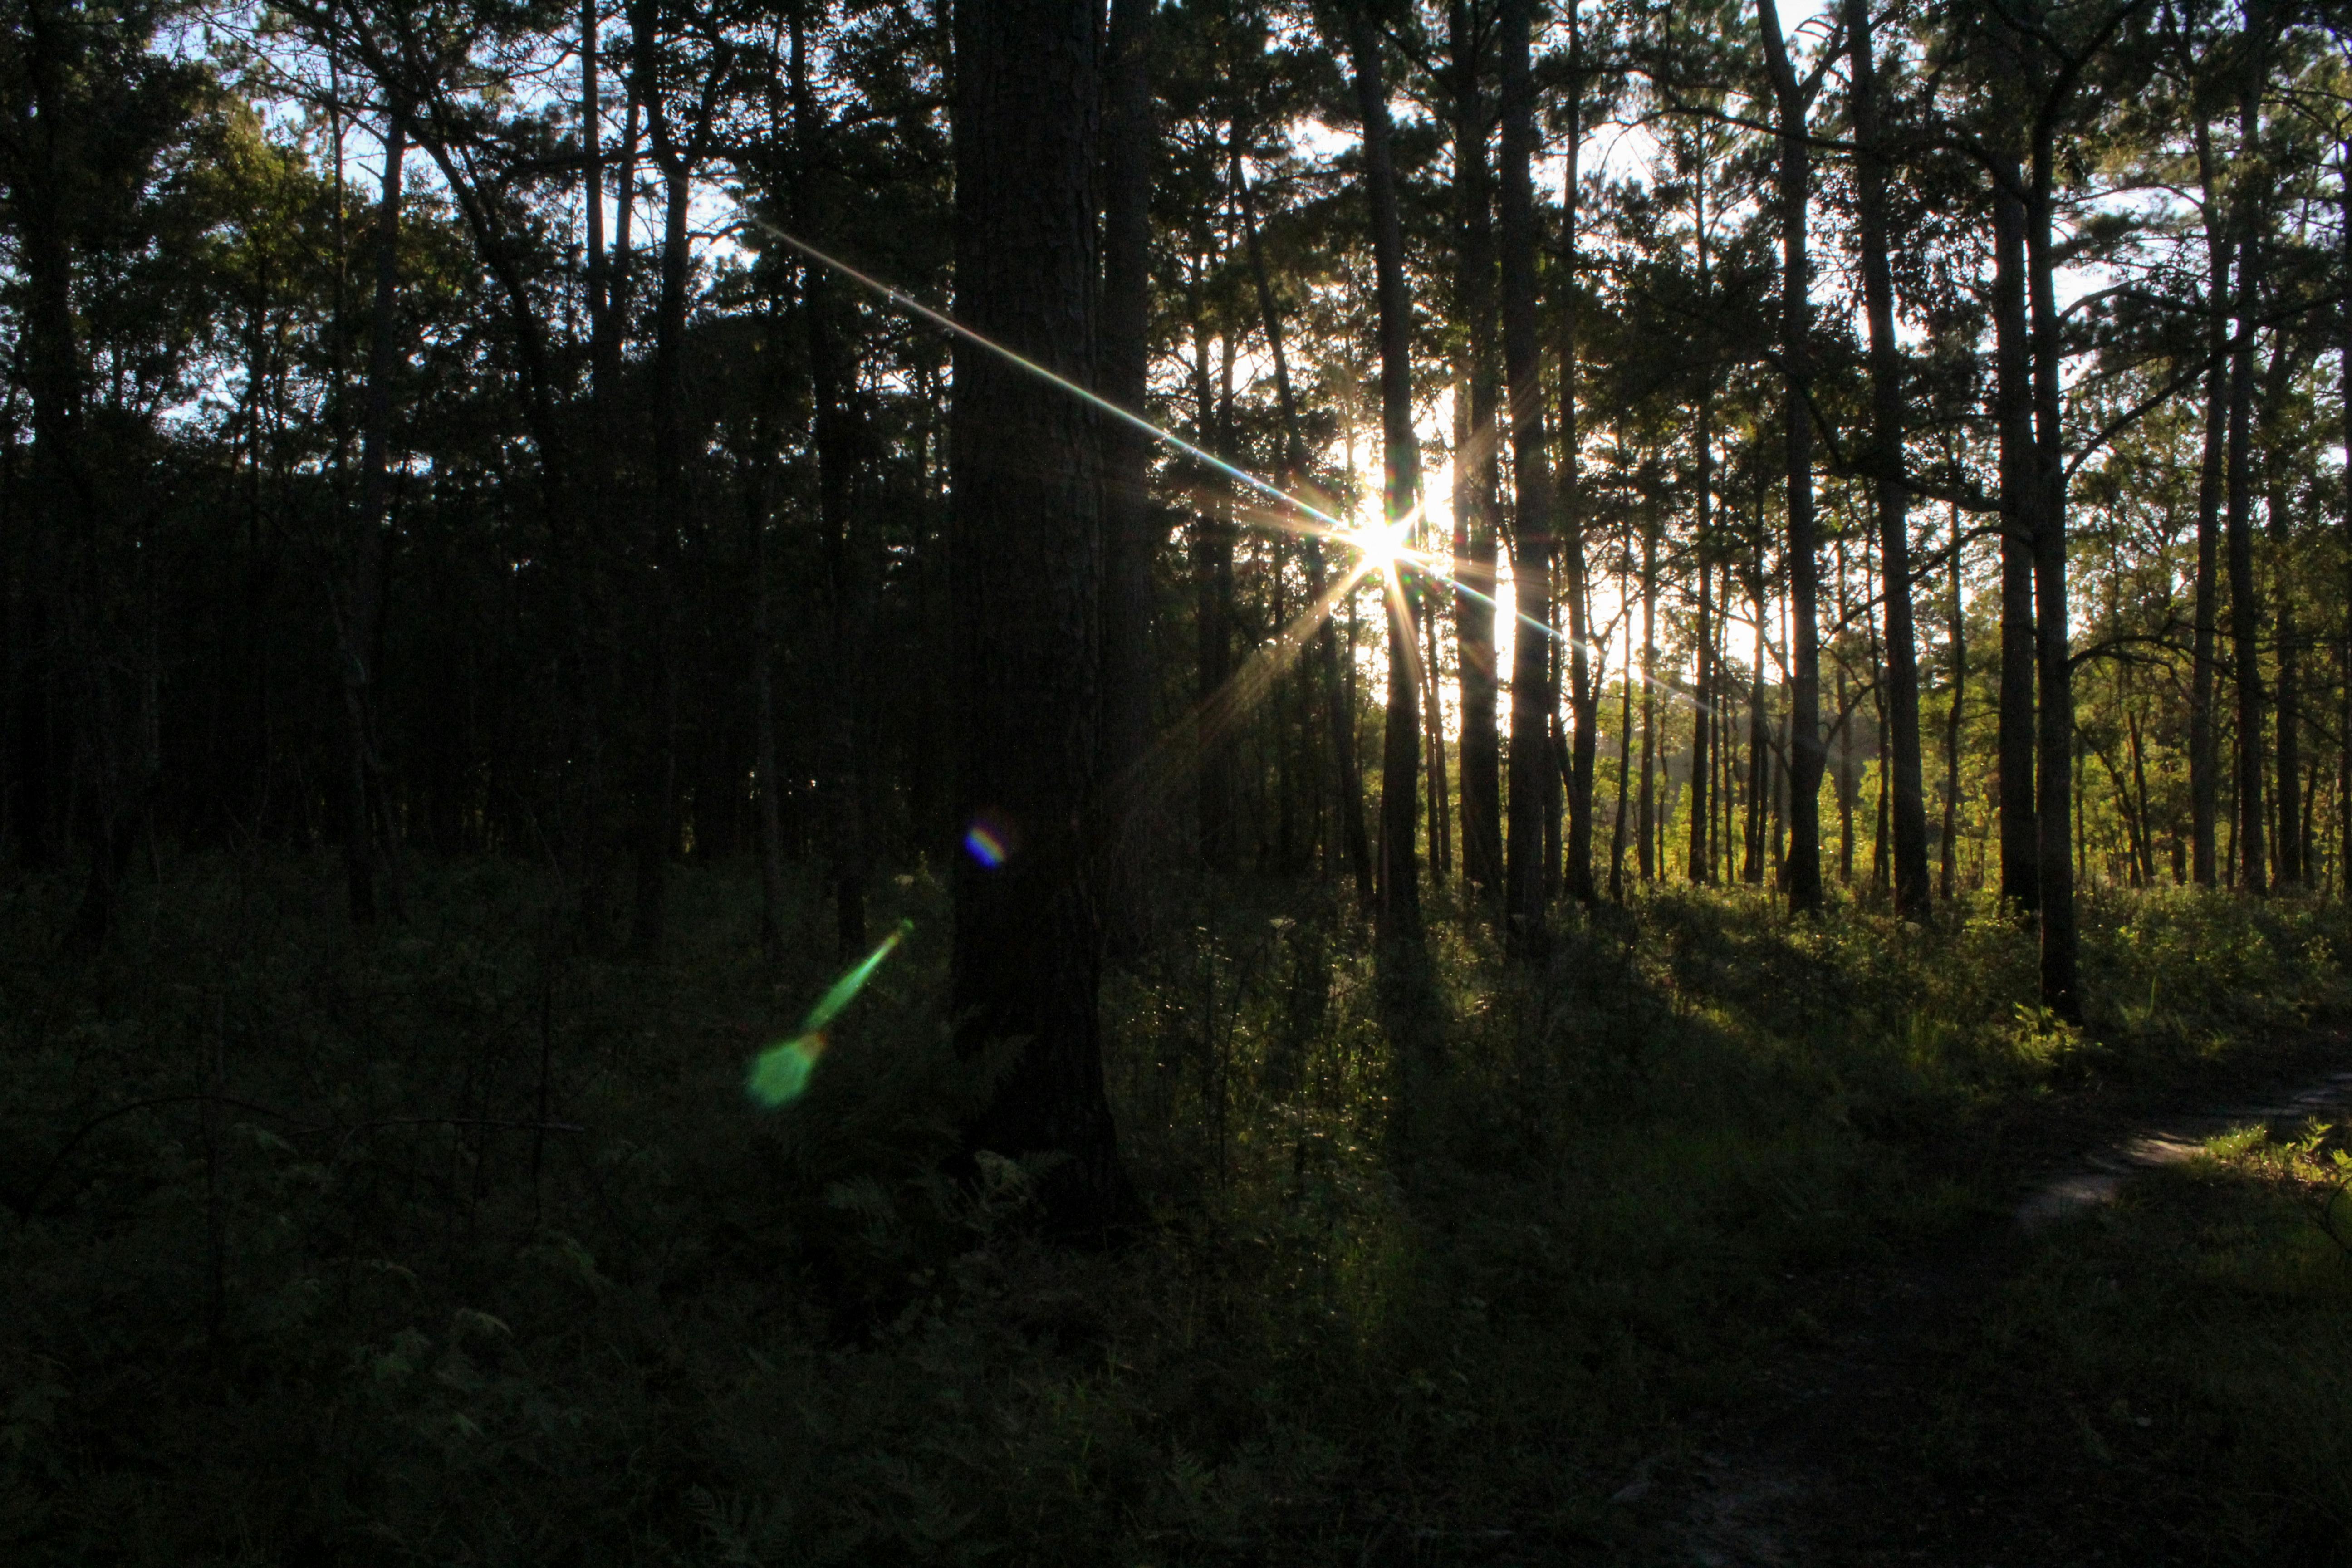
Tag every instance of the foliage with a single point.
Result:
(1438, 1264)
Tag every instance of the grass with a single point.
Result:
(1440, 1268)
(2167, 1381)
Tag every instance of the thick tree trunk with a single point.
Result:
(1129, 135)
(1477, 482)
(1400, 892)
(1901, 695)
(2021, 834)
(1805, 754)
(1531, 706)
(1025, 570)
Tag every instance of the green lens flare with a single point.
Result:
(780, 1074)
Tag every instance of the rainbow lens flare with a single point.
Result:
(780, 1074)
(987, 844)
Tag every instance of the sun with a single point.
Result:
(1379, 545)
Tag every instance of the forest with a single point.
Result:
(1175, 782)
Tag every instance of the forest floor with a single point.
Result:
(1902, 1435)
(449, 1241)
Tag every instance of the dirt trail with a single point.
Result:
(1832, 1476)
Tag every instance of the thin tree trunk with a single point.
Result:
(1703, 691)
(1900, 694)
(1646, 824)
(1478, 483)
(763, 718)
(1752, 872)
(1400, 892)
(1338, 704)
(1947, 870)
(2054, 664)
(2245, 608)
(2020, 851)
(834, 439)
(1805, 754)
(1130, 136)
(1531, 706)
(2204, 762)
(2289, 837)
(360, 623)
(1584, 702)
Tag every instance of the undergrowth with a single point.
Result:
(2184, 1358)
(446, 1243)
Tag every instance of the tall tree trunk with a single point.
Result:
(1947, 871)
(1338, 709)
(1130, 136)
(2288, 838)
(1531, 479)
(1400, 892)
(360, 622)
(1646, 823)
(2344, 391)
(69, 511)
(2245, 607)
(1478, 481)
(1703, 689)
(1805, 755)
(2021, 834)
(1584, 702)
(836, 439)
(2054, 660)
(1024, 566)
(763, 716)
(1752, 868)
(1901, 695)
(2204, 762)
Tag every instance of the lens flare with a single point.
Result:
(987, 844)
(780, 1074)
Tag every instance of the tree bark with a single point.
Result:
(1130, 137)
(2245, 608)
(2020, 834)
(1531, 706)
(1477, 482)
(1584, 702)
(2053, 661)
(836, 438)
(1025, 573)
(2204, 763)
(1400, 892)
(1901, 697)
(2288, 840)
(1338, 711)
(360, 623)
(1952, 721)
(1805, 754)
